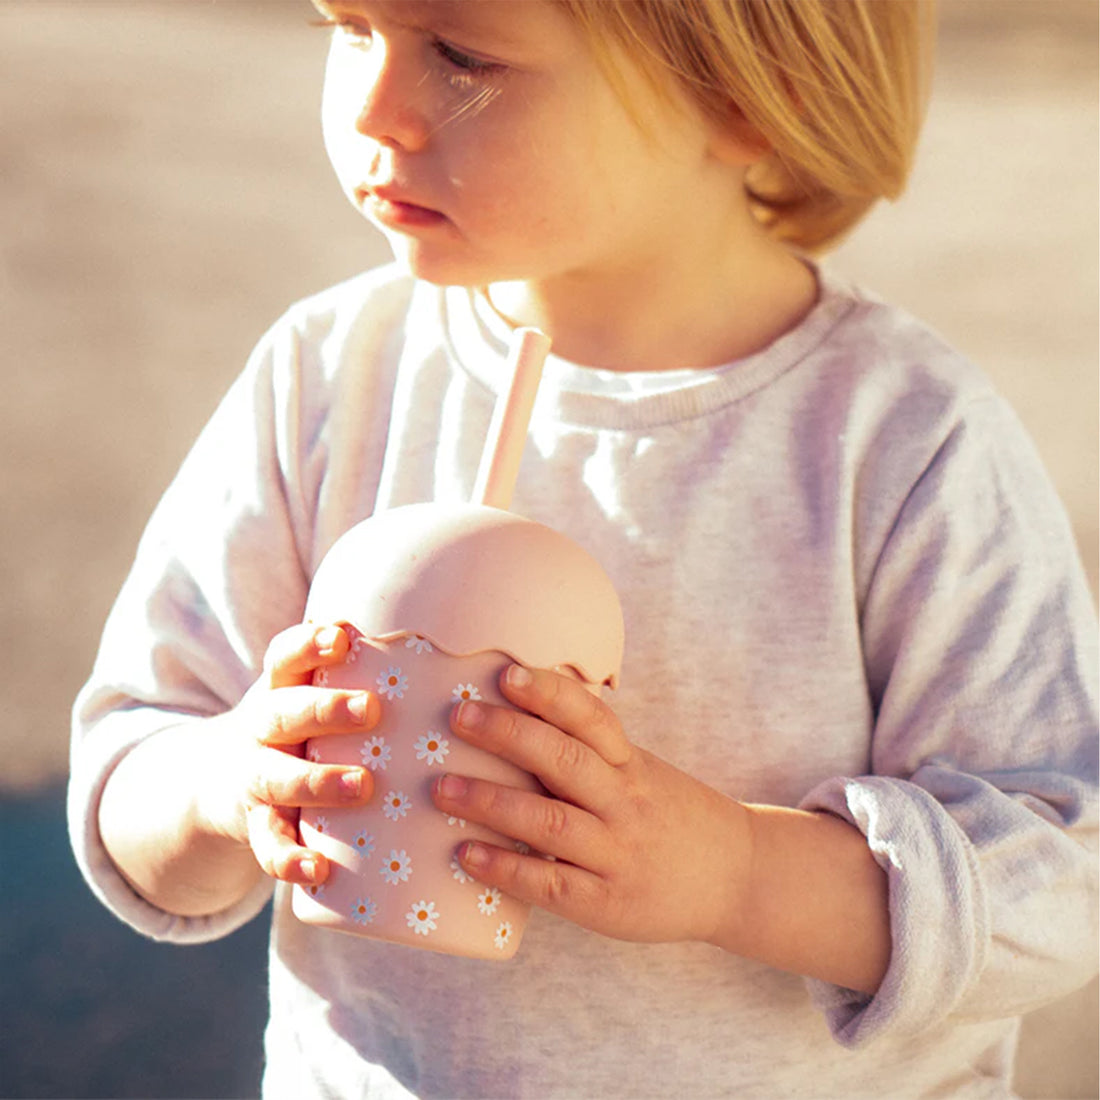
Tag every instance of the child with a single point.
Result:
(830, 835)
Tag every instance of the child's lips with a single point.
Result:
(391, 208)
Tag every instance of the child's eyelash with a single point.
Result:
(474, 66)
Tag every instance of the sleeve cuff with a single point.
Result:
(938, 916)
(107, 883)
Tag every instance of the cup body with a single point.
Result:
(394, 873)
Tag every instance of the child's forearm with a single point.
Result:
(151, 827)
(814, 901)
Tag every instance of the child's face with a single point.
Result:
(483, 139)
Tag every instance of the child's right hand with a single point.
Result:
(262, 778)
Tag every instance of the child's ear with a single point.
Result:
(736, 141)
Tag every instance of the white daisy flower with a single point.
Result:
(396, 805)
(358, 643)
(392, 683)
(421, 645)
(522, 847)
(488, 901)
(431, 747)
(421, 917)
(376, 753)
(364, 911)
(503, 936)
(459, 872)
(461, 692)
(313, 753)
(397, 867)
(320, 824)
(363, 843)
(320, 677)
(315, 889)
(459, 821)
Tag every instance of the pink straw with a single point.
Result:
(496, 477)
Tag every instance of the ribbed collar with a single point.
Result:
(629, 400)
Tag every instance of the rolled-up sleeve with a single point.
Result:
(981, 650)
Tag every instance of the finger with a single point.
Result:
(296, 714)
(567, 891)
(294, 654)
(564, 764)
(273, 837)
(548, 825)
(568, 705)
(282, 780)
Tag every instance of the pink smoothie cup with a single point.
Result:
(439, 600)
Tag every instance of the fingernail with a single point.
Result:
(325, 639)
(470, 715)
(475, 855)
(518, 676)
(308, 867)
(452, 786)
(358, 706)
(351, 785)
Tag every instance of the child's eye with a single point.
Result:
(474, 66)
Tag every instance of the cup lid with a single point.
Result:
(471, 578)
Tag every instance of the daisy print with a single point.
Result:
(397, 867)
(320, 677)
(376, 753)
(431, 747)
(313, 753)
(396, 805)
(315, 890)
(363, 911)
(320, 824)
(458, 872)
(459, 821)
(462, 692)
(421, 645)
(363, 843)
(392, 683)
(421, 917)
(503, 936)
(488, 901)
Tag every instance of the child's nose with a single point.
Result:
(390, 112)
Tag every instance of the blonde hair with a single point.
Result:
(836, 88)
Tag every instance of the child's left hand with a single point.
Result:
(642, 850)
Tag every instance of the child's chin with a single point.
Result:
(432, 266)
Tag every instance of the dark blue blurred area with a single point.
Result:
(92, 1009)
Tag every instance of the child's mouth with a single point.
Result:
(395, 213)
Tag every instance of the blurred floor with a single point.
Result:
(164, 195)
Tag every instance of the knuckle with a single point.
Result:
(557, 889)
(555, 823)
(321, 784)
(320, 710)
(596, 712)
(568, 755)
(509, 727)
(262, 789)
(281, 728)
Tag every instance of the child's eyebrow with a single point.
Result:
(467, 18)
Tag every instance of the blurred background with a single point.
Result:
(164, 195)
